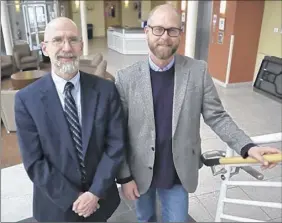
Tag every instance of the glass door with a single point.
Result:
(35, 18)
(28, 20)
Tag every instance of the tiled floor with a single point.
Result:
(254, 113)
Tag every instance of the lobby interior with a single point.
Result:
(234, 42)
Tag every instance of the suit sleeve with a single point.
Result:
(40, 171)
(217, 118)
(114, 148)
(124, 173)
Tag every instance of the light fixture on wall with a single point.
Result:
(222, 7)
(17, 6)
(183, 5)
(76, 4)
(126, 3)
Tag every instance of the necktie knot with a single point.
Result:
(69, 86)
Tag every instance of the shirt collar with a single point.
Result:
(60, 82)
(155, 67)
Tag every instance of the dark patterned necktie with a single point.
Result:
(74, 126)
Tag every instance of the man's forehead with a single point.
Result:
(165, 20)
(165, 24)
(63, 33)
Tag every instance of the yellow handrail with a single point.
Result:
(273, 158)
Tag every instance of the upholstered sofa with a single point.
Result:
(7, 109)
(24, 57)
(7, 66)
(96, 66)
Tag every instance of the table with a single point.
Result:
(24, 78)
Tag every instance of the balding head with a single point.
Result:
(60, 23)
(163, 33)
(62, 43)
(164, 11)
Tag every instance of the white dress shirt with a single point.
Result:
(76, 92)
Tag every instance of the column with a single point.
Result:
(6, 28)
(191, 28)
(83, 17)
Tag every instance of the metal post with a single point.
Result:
(191, 28)
(6, 28)
(83, 15)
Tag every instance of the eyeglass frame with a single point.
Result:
(165, 30)
(79, 40)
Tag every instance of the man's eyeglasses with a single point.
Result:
(60, 41)
(159, 31)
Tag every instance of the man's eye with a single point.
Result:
(58, 40)
(73, 40)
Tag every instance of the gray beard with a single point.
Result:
(67, 68)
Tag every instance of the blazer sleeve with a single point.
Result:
(40, 171)
(124, 171)
(113, 155)
(218, 119)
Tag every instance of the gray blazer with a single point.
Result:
(194, 94)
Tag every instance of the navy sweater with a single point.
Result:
(164, 175)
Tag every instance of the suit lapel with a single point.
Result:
(180, 84)
(145, 88)
(89, 100)
(55, 113)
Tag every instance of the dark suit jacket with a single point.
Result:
(49, 155)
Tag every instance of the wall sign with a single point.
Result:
(221, 23)
(220, 37)
(214, 21)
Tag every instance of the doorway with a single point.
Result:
(112, 13)
(35, 20)
(29, 19)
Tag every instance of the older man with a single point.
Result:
(70, 132)
(163, 98)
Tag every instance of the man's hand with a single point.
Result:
(130, 190)
(258, 152)
(86, 204)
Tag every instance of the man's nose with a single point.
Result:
(165, 35)
(66, 46)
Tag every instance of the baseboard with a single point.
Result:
(232, 85)
(242, 84)
(220, 83)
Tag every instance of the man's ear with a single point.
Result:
(146, 29)
(44, 49)
(81, 51)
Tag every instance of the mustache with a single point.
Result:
(66, 55)
(164, 44)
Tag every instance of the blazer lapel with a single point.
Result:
(89, 100)
(55, 113)
(180, 84)
(145, 88)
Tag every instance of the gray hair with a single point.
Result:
(167, 5)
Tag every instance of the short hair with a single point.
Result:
(149, 20)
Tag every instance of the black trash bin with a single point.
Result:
(90, 31)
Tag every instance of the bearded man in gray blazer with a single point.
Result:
(163, 98)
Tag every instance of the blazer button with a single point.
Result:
(153, 149)
(150, 167)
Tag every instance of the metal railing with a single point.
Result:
(229, 161)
